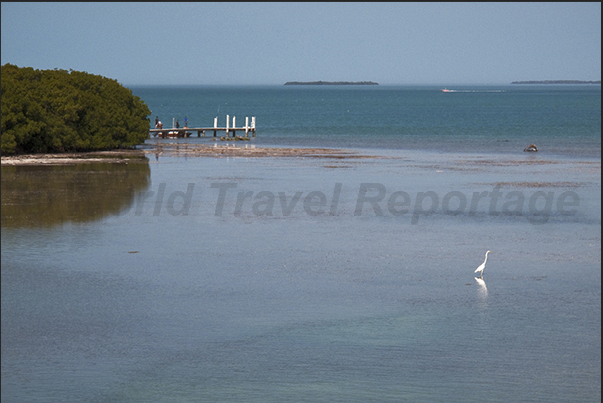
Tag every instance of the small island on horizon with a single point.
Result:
(557, 82)
(331, 83)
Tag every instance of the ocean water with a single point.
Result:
(561, 120)
(201, 279)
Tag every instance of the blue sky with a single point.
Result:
(271, 43)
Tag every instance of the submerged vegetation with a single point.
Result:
(46, 111)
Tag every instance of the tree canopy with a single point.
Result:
(61, 111)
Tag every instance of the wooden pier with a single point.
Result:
(231, 132)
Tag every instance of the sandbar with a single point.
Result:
(178, 150)
(112, 156)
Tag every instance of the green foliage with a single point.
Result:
(60, 111)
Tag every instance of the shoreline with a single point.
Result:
(177, 150)
(112, 156)
(147, 151)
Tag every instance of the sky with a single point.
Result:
(261, 43)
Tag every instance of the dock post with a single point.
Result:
(227, 122)
(246, 126)
(253, 126)
(215, 125)
(234, 132)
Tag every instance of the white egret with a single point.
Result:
(481, 267)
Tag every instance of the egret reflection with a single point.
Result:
(483, 290)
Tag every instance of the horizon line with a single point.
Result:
(372, 86)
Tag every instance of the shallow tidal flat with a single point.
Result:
(262, 274)
(194, 150)
(113, 156)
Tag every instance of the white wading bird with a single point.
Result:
(482, 266)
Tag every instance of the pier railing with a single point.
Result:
(231, 132)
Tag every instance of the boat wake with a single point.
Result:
(447, 90)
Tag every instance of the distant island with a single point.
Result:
(330, 83)
(557, 82)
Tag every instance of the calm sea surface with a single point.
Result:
(560, 120)
(201, 279)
